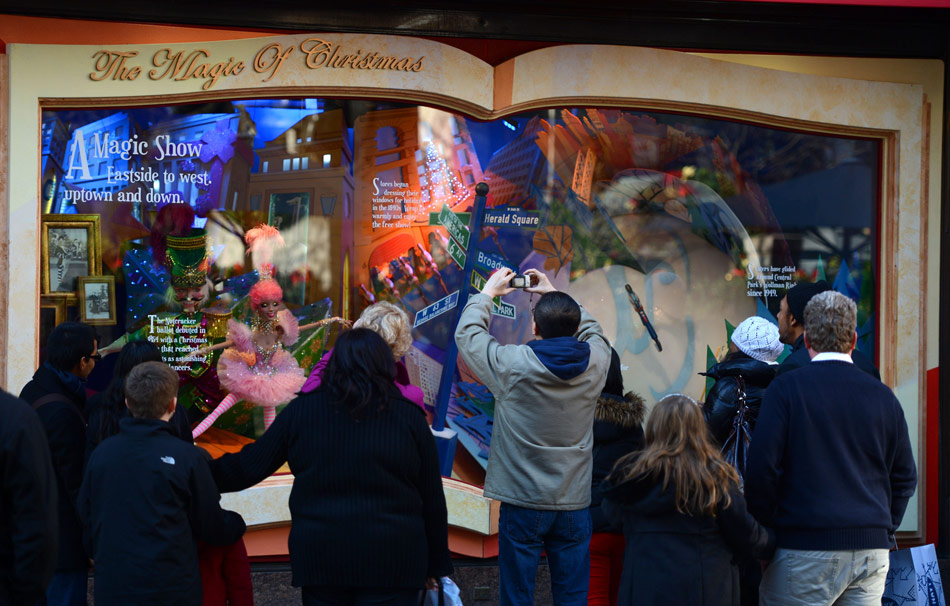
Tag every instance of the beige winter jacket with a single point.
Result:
(542, 436)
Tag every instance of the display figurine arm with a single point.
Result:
(240, 336)
(206, 350)
(115, 346)
(343, 321)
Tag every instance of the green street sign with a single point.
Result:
(478, 281)
(465, 218)
(454, 225)
(457, 254)
(498, 307)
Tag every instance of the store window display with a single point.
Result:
(707, 219)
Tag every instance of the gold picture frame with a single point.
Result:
(97, 300)
(70, 247)
(52, 314)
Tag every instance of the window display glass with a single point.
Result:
(707, 219)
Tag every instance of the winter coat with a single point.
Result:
(27, 505)
(103, 422)
(618, 430)
(800, 357)
(406, 389)
(673, 558)
(722, 401)
(831, 466)
(545, 394)
(146, 498)
(367, 506)
(65, 426)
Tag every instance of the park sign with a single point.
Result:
(503, 309)
(454, 225)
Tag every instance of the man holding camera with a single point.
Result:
(539, 466)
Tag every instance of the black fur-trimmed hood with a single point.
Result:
(625, 412)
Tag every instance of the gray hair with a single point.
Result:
(391, 323)
(830, 320)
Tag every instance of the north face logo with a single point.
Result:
(169, 460)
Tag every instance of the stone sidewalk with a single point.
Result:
(477, 580)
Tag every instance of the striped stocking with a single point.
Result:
(269, 413)
(219, 410)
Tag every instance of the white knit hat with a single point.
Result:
(758, 338)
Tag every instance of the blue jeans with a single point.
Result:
(563, 535)
(67, 589)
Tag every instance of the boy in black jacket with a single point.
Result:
(145, 499)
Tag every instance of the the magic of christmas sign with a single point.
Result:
(181, 64)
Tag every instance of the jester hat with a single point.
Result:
(187, 259)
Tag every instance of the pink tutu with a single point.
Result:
(265, 384)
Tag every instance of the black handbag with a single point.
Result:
(736, 447)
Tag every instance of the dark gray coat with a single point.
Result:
(673, 558)
(618, 430)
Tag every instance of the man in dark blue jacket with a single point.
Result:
(58, 393)
(791, 328)
(146, 499)
(830, 468)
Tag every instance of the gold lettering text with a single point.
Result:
(317, 51)
(271, 58)
(111, 64)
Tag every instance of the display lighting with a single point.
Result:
(437, 172)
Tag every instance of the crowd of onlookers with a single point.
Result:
(785, 486)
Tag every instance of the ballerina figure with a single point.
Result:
(256, 367)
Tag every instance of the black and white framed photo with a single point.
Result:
(71, 248)
(97, 299)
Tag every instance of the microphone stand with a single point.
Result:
(635, 301)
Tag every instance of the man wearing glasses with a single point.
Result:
(57, 392)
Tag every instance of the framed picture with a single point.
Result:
(52, 314)
(70, 247)
(97, 299)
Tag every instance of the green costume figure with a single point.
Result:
(187, 260)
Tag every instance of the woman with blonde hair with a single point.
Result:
(391, 323)
(683, 516)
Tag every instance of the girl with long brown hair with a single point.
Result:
(683, 516)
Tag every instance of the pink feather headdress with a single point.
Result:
(262, 241)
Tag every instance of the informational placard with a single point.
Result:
(176, 336)
(394, 203)
(769, 281)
